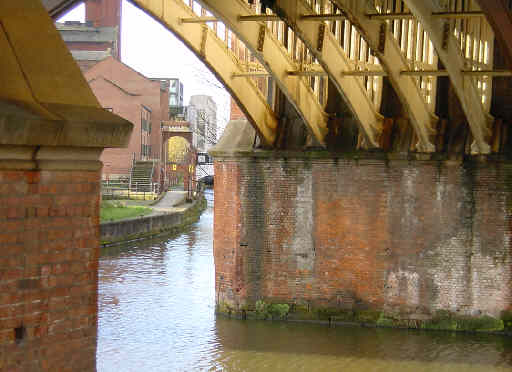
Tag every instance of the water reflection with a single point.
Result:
(156, 313)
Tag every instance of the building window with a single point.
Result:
(145, 131)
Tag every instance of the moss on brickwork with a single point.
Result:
(444, 320)
(263, 310)
(259, 311)
(506, 317)
(441, 320)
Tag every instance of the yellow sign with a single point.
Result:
(174, 167)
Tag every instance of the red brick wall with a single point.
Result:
(226, 239)
(125, 91)
(105, 13)
(407, 237)
(49, 239)
(119, 160)
(86, 65)
(235, 113)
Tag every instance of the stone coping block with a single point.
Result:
(80, 126)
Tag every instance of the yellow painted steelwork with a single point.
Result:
(218, 58)
(451, 56)
(36, 68)
(393, 61)
(274, 58)
(334, 61)
(44, 97)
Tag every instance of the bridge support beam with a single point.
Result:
(377, 35)
(322, 234)
(274, 58)
(334, 61)
(49, 239)
(450, 54)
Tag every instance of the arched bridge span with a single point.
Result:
(399, 49)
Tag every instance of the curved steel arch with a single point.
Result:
(334, 61)
(201, 40)
(275, 60)
(500, 18)
(393, 62)
(450, 54)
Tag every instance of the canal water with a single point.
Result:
(157, 313)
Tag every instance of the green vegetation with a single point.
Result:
(441, 320)
(506, 317)
(263, 310)
(444, 320)
(189, 216)
(115, 210)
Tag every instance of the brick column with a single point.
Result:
(52, 133)
(49, 235)
(49, 239)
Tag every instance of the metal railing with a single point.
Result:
(119, 189)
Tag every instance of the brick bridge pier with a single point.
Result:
(383, 238)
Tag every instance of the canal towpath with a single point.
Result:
(169, 214)
(172, 201)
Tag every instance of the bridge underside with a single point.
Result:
(370, 181)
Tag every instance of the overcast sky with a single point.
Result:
(150, 49)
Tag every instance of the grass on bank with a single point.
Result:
(116, 210)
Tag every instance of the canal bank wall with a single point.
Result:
(156, 225)
(366, 238)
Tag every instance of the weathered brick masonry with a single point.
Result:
(49, 239)
(403, 238)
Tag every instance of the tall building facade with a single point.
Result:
(202, 115)
(176, 105)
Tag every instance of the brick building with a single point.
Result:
(140, 100)
(97, 38)
(96, 47)
(89, 44)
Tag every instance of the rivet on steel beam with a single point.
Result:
(321, 35)
(261, 38)
(382, 38)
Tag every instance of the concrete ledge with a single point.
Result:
(50, 158)
(74, 126)
(164, 224)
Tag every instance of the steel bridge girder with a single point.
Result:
(500, 17)
(275, 60)
(214, 54)
(393, 62)
(334, 61)
(451, 56)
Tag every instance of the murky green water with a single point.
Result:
(157, 301)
